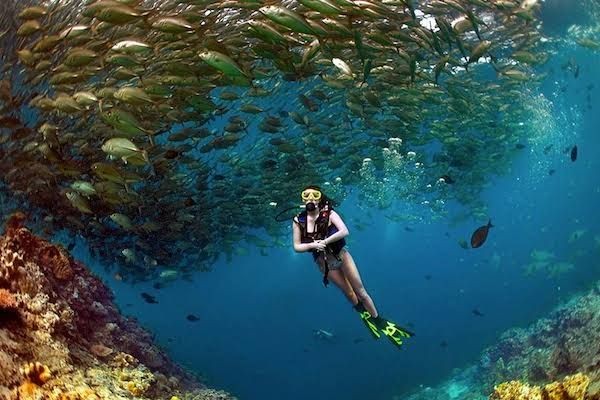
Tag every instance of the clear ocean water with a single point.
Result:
(257, 314)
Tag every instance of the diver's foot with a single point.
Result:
(366, 318)
(394, 333)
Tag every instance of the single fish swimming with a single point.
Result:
(480, 235)
(148, 298)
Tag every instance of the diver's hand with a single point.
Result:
(319, 245)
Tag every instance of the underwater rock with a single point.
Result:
(62, 337)
(563, 348)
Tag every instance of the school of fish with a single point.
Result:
(170, 132)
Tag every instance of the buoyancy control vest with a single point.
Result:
(322, 230)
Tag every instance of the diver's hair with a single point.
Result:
(324, 198)
(314, 187)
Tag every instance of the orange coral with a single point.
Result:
(80, 394)
(36, 373)
(572, 387)
(576, 385)
(27, 390)
(7, 300)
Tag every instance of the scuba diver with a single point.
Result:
(320, 230)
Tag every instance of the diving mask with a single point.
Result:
(311, 194)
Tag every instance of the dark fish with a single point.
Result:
(547, 149)
(408, 229)
(148, 298)
(71, 246)
(309, 104)
(519, 146)
(574, 153)
(192, 318)
(158, 285)
(428, 277)
(171, 154)
(476, 312)
(443, 344)
(551, 172)
(358, 340)
(480, 235)
(268, 163)
(448, 179)
(189, 202)
(576, 74)
(10, 122)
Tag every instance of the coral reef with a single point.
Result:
(62, 337)
(565, 343)
(7, 300)
(556, 358)
(573, 387)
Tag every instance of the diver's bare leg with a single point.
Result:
(353, 277)
(337, 277)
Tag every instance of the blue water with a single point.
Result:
(257, 314)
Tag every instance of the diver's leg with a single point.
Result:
(353, 277)
(340, 281)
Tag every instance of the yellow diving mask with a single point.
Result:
(311, 194)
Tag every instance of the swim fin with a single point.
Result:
(394, 332)
(365, 316)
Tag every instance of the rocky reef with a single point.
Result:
(63, 338)
(556, 358)
(573, 387)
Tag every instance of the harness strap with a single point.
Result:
(325, 280)
(304, 226)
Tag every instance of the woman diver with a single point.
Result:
(321, 230)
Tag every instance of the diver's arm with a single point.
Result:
(340, 225)
(300, 247)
